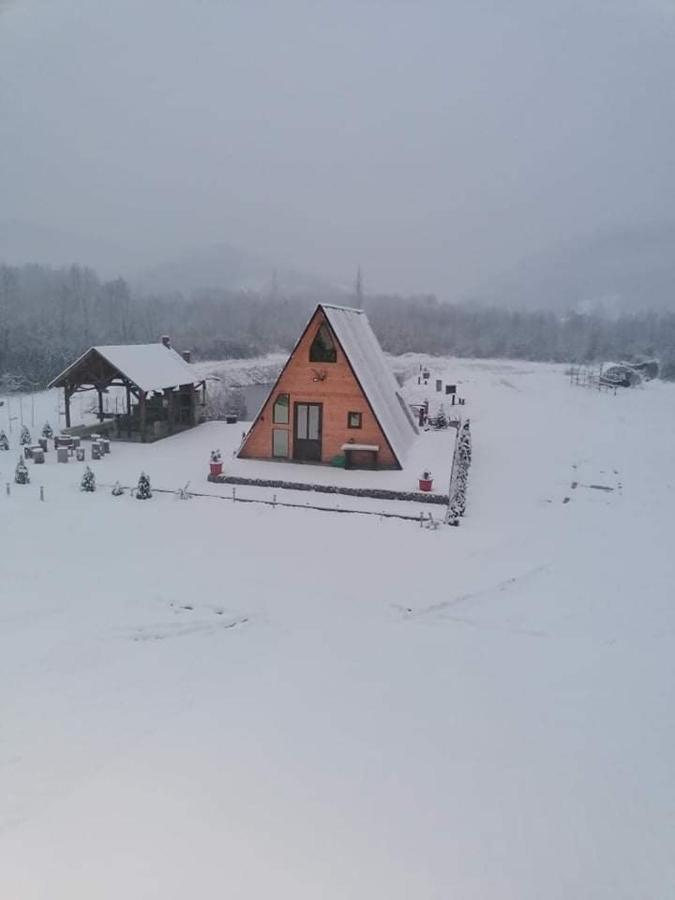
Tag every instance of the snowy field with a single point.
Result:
(206, 699)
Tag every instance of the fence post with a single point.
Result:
(42, 493)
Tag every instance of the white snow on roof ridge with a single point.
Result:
(153, 367)
(365, 354)
(350, 309)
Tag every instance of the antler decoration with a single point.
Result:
(319, 374)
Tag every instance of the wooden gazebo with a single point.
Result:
(158, 388)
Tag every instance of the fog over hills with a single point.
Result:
(24, 242)
(619, 270)
(611, 272)
(185, 270)
(434, 143)
(222, 265)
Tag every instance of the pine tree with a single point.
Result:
(4, 442)
(117, 490)
(441, 418)
(143, 491)
(21, 475)
(88, 482)
(25, 436)
(47, 431)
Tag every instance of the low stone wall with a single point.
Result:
(374, 493)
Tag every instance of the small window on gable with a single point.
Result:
(353, 420)
(323, 346)
(280, 410)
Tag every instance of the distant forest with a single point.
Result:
(49, 316)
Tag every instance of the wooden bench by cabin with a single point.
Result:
(360, 456)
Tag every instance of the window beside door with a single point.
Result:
(280, 443)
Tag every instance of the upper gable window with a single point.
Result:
(323, 346)
(280, 409)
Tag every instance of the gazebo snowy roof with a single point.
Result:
(151, 367)
(352, 329)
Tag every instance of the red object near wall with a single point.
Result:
(425, 484)
(216, 468)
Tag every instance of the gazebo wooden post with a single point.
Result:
(141, 403)
(128, 411)
(67, 393)
(100, 415)
(168, 394)
(193, 405)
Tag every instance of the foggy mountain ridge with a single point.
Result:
(23, 242)
(611, 272)
(224, 266)
(435, 143)
(218, 265)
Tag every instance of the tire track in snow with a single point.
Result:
(503, 585)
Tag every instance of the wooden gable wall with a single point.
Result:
(340, 393)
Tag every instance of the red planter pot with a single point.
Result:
(216, 468)
(425, 484)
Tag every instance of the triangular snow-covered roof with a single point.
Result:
(357, 339)
(151, 367)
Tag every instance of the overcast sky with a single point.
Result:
(434, 142)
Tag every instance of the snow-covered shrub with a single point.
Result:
(216, 456)
(117, 490)
(25, 436)
(668, 369)
(143, 491)
(223, 400)
(460, 474)
(21, 475)
(47, 431)
(88, 482)
(4, 441)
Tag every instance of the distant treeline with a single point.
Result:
(49, 316)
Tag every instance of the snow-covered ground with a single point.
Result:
(207, 699)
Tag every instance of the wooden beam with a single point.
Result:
(168, 394)
(128, 412)
(141, 402)
(67, 393)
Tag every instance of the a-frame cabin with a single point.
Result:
(335, 400)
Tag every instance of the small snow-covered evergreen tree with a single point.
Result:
(4, 441)
(117, 490)
(441, 418)
(25, 436)
(88, 482)
(21, 475)
(47, 431)
(143, 491)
